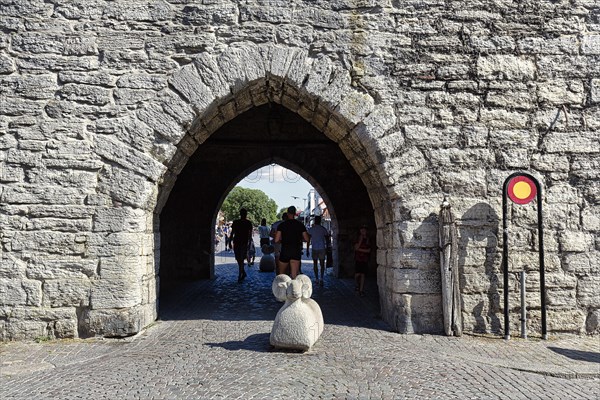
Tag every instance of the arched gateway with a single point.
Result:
(202, 97)
(280, 87)
(93, 152)
(260, 137)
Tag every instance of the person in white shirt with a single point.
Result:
(264, 233)
(318, 238)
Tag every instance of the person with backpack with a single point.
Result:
(241, 233)
(318, 239)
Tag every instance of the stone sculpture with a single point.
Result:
(299, 322)
(267, 261)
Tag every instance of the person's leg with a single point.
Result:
(294, 268)
(322, 262)
(240, 252)
(277, 253)
(283, 267)
(316, 269)
(241, 272)
(362, 284)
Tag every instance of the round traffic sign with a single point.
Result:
(521, 189)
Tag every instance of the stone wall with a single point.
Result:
(102, 103)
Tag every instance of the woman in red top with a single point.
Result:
(362, 251)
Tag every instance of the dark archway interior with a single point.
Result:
(254, 137)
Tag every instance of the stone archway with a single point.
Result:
(300, 173)
(241, 145)
(201, 98)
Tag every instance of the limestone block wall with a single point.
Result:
(103, 102)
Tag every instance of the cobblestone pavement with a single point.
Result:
(212, 341)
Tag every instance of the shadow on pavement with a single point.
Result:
(578, 355)
(223, 298)
(258, 342)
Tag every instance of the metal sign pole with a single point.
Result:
(541, 255)
(523, 306)
(523, 200)
(505, 258)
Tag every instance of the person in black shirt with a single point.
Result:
(241, 232)
(290, 233)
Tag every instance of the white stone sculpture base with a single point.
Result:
(299, 323)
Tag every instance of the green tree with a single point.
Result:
(258, 204)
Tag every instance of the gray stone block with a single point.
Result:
(115, 322)
(595, 91)
(587, 291)
(505, 67)
(7, 65)
(66, 292)
(560, 92)
(38, 87)
(572, 142)
(416, 281)
(115, 293)
(590, 44)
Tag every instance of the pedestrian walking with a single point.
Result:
(241, 232)
(226, 234)
(290, 233)
(318, 243)
(218, 237)
(264, 233)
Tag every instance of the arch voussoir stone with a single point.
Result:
(190, 85)
(163, 124)
(211, 74)
(300, 65)
(372, 128)
(355, 106)
(278, 60)
(177, 107)
(240, 66)
(328, 83)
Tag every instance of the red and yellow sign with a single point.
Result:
(521, 189)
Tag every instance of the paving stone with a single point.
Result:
(212, 341)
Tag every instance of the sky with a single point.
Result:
(280, 184)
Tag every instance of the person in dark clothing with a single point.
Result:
(241, 232)
(318, 239)
(290, 233)
(277, 246)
